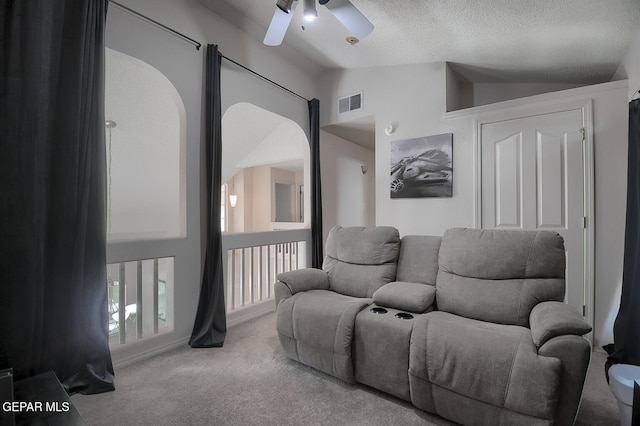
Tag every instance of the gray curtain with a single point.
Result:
(626, 329)
(316, 185)
(210, 326)
(53, 294)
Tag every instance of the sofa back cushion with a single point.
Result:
(418, 260)
(361, 260)
(499, 275)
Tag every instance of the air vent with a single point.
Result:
(350, 103)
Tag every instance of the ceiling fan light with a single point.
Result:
(285, 5)
(310, 12)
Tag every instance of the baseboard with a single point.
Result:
(250, 312)
(234, 318)
(127, 359)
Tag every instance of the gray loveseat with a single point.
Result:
(470, 326)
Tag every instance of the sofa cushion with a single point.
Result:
(493, 363)
(360, 260)
(418, 259)
(502, 254)
(411, 297)
(499, 275)
(315, 327)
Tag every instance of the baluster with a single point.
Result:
(122, 303)
(260, 272)
(233, 279)
(242, 275)
(275, 258)
(269, 271)
(139, 300)
(155, 296)
(251, 276)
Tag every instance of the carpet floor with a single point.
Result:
(251, 382)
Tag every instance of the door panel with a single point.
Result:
(533, 178)
(508, 194)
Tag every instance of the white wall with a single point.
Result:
(145, 151)
(489, 93)
(611, 142)
(630, 67)
(261, 198)
(197, 22)
(182, 65)
(348, 195)
(414, 97)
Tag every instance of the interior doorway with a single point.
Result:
(349, 173)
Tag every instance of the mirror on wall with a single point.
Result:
(261, 149)
(287, 194)
(284, 205)
(287, 200)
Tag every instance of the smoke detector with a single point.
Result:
(352, 40)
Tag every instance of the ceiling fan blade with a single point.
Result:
(278, 27)
(350, 17)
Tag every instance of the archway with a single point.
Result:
(266, 167)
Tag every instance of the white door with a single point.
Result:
(533, 178)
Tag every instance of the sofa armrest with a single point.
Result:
(304, 280)
(405, 296)
(552, 319)
(575, 353)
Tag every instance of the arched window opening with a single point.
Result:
(145, 143)
(266, 167)
(146, 197)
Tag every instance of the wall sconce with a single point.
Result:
(364, 169)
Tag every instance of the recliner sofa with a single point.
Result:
(469, 326)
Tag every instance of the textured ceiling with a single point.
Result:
(535, 41)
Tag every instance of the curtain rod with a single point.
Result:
(198, 45)
(153, 21)
(265, 78)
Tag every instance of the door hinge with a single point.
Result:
(584, 222)
(584, 310)
(582, 134)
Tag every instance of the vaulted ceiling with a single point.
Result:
(534, 41)
(572, 42)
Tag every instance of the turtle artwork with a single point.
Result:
(422, 167)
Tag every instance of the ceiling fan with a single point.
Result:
(347, 14)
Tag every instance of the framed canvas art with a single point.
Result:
(422, 167)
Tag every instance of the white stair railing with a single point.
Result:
(140, 298)
(254, 260)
